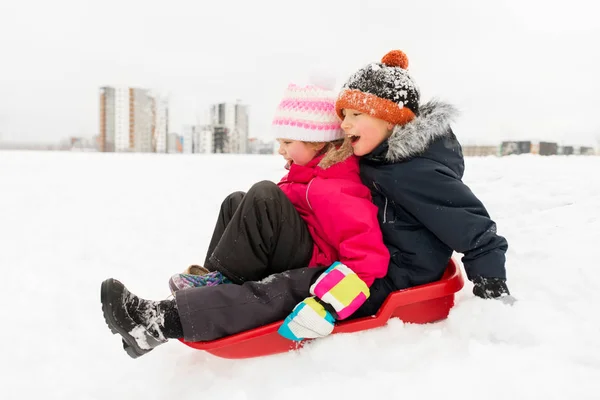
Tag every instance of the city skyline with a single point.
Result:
(134, 119)
(517, 70)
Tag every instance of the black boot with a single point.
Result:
(143, 324)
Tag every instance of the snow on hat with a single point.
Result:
(307, 113)
(383, 90)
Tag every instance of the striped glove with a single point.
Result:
(341, 289)
(308, 320)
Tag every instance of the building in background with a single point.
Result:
(188, 132)
(566, 150)
(257, 146)
(220, 143)
(161, 125)
(232, 119)
(198, 139)
(174, 143)
(203, 139)
(509, 148)
(106, 137)
(547, 149)
(142, 113)
(132, 119)
(586, 151)
(77, 143)
(479, 151)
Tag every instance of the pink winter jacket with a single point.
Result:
(340, 216)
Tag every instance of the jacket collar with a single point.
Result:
(347, 169)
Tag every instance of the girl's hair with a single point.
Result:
(327, 145)
(335, 151)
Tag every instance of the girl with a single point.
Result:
(274, 244)
(413, 165)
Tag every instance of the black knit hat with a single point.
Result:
(383, 90)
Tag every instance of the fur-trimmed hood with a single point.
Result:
(414, 138)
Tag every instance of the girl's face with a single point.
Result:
(297, 152)
(365, 132)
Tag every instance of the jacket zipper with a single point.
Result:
(386, 203)
(385, 211)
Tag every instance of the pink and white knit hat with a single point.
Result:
(307, 113)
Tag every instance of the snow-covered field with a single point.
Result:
(70, 220)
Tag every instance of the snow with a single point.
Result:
(70, 220)
(138, 334)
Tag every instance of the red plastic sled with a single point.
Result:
(421, 304)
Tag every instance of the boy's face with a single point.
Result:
(297, 152)
(365, 132)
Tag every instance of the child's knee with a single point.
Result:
(264, 189)
(233, 200)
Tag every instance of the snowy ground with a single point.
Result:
(70, 220)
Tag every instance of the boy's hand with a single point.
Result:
(492, 288)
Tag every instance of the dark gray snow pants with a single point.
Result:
(262, 244)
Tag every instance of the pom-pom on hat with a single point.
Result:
(307, 112)
(383, 90)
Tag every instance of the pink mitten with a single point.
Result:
(342, 289)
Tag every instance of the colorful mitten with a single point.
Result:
(186, 281)
(342, 289)
(309, 320)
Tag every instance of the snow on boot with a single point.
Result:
(185, 281)
(140, 322)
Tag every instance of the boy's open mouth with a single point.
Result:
(353, 139)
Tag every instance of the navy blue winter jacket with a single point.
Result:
(425, 210)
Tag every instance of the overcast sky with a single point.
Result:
(517, 69)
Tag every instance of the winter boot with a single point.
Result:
(196, 276)
(142, 324)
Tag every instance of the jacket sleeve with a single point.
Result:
(439, 200)
(350, 220)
